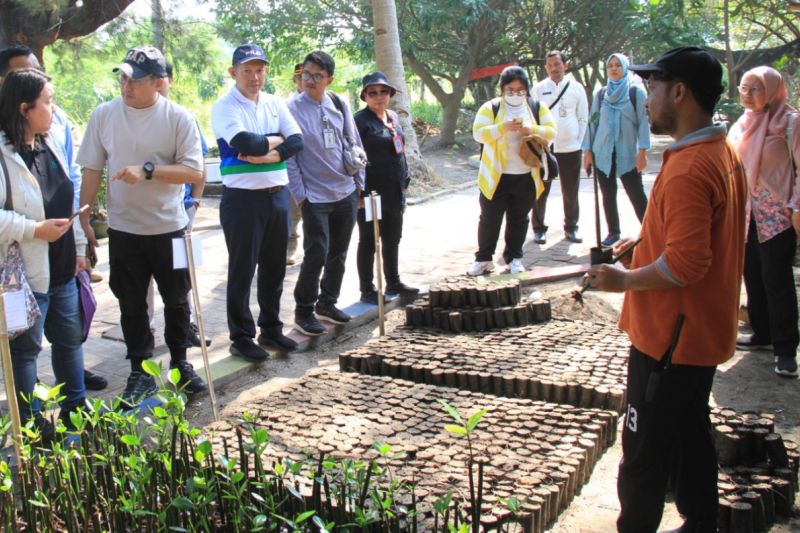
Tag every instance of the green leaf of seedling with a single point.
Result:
(451, 411)
(260, 520)
(178, 529)
(260, 436)
(456, 430)
(383, 449)
(183, 503)
(323, 527)
(279, 469)
(204, 446)
(45, 393)
(151, 367)
(237, 477)
(130, 440)
(475, 418)
(160, 412)
(302, 517)
(174, 376)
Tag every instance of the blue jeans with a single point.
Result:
(61, 322)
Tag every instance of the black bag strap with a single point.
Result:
(337, 102)
(602, 94)
(551, 106)
(9, 205)
(533, 103)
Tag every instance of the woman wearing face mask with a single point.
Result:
(620, 141)
(508, 186)
(760, 138)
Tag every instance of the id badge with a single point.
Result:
(399, 145)
(562, 111)
(329, 137)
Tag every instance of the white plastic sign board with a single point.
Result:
(179, 257)
(368, 208)
(16, 315)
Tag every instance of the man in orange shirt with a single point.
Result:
(688, 266)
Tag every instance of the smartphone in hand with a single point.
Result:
(78, 212)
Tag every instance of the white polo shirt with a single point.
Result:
(571, 113)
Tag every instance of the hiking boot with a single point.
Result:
(331, 313)
(751, 344)
(190, 382)
(194, 336)
(248, 350)
(786, 367)
(402, 289)
(277, 340)
(309, 325)
(93, 382)
(478, 268)
(139, 387)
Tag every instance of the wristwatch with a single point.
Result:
(149, 168)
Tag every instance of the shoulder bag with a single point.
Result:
(353, 156)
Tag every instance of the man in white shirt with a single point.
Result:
(566, 99)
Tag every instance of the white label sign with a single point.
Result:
(16, 316)
(180, 258)
(368, 208)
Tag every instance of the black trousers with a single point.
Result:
(391, 227)
(327, 228)
(668, 436)
(256, 229)
(632, 181)
(569, 168)
(133, 260)
(513, 199)
(771, 296)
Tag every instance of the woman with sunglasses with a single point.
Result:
(508, 185)
(38, 218)
(760, 136)
(387, 174)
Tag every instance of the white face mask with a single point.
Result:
(514, 99)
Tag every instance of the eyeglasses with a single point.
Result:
(515, 93)
(382, 92)
(749, 89)
(124, 79)
(306, 75)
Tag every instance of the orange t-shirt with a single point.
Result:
(694, 231)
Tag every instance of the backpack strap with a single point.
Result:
(599, 95)
(534, 105)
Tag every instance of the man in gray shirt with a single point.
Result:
(326, 193)
(151, 147)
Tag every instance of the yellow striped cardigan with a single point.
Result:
(488, 130)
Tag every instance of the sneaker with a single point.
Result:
(610, 239)
(95, 276)
(539, 237)
(309, 325)
(750, 344)
(190, 382)
(290, 261)
(248, 350)
(480, 267)
(278, 341)
(786, 367)
(516, 266)
(371, 297)
(194, 336)
(331, 313)
(402, 289)
(572, 236)
(94, 382)
(138, 387)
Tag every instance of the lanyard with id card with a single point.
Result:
(397, 139)
(328, 133)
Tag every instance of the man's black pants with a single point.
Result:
(133, 260)
(513, 198)
(256, 228)
(391, 227)
(632, 181)
(327, 228)
(669, 435)
(569, 168)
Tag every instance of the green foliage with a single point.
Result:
(428, 112)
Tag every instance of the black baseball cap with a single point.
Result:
(694, 66)
(376, 78)
(143, 61)
(249, 52)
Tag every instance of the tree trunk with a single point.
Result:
(729, 61)
(158, 23)
(450, 108)
(389, 59)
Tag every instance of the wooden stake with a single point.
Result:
(373, 198)
(8, 378)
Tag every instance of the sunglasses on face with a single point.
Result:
(381, 92)
(306, 75)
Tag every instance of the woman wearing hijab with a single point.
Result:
(508, 185)
(619, 142)
(760, 138)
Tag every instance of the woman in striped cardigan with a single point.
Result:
(508, 186)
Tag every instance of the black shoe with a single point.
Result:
(138, 387)
(331, 313)
(786, 367)
(277, 340)
(309, 325)
(46, 429)
(190, 382)
(371, 297)
(94, 382)
(194, 336)
(751, 344)
(572, 236)
(539, 237)
(610, 239)
(402, 289)
(248, 350)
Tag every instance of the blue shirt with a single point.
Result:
(61, 133)
(188, 201)
(317, 173)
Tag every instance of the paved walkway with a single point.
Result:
(439, 239)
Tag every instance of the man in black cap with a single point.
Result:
(151, 147)
(681, 298)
